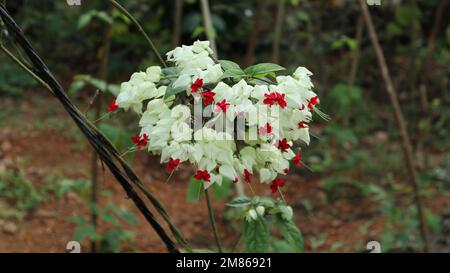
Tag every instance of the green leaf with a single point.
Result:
(103, 16)
(170, 72)
(97, 83)
(170, 91)
(117, 135)
(84, 20)
(127, 216)
(290, 233)
(256, 235)
(262, 81)
(201, 250)
(263, 69)
(224, 190)
(235, 73)
(264, 201)
(447, 33)
(198, 31)
(76, 219)
(109, 218)
(114, 89)
(406, 14)
(80, 186)
(240, 202)
(87, 231)
(76, 86)
(393, 29)
(194, 191)
(226, 65)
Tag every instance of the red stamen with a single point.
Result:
(297, 159)
(198, 84)
(302, 124)
(222, 106)
(283, 145)
(247, 176)
(113, 107)
(275, 185)
(272, 98)
(140, 140)
(173, 163)
(312, 102)
(208, 97)
(203, 175)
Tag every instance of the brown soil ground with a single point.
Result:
(40, 151)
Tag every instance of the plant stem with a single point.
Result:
(236, 243)
(141, 30)
(406, 142)
(24, 67)
(253, 38)
(355, 58)
(177, 17)
(209, 28)
(424, 136)
(103, 75)
(213, 221)
(278, 29)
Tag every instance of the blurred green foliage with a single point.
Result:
(357, 153)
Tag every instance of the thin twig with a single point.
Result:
(213, 221)
(24, 67)
(97, 102)
(251, 44)
(141, 30)
(209, 28)
(177, 17)
(278, 31)
(356, 52)
(423, 89)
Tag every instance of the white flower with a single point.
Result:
(135, 91)
(276, 116)
(302, 74)
(266, 175)
(251, 215)
(201, 46)
(153, 74)
(213, 73)
(286, 212)
(260, 210)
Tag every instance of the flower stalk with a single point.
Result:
(213, 222)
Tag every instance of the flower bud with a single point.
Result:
(260, 210)
(286, 212)
(251, 215)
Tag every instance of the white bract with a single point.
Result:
(277, 109)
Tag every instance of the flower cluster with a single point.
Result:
(276, 109)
